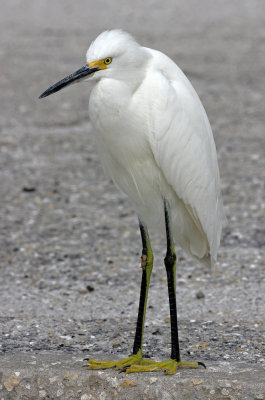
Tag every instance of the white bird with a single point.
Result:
(156, 144)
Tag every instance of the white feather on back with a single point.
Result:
(184, 149)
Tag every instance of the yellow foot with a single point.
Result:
(134, 359)
(135, 363)
(170, 367)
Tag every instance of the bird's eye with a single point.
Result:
(108, 60)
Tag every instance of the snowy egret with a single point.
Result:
(156, 144)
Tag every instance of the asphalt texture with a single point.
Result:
(69, 241)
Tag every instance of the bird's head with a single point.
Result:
(114, 53)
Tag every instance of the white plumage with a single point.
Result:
(155, 141)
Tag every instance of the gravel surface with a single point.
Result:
(69, 241)
(60, 375)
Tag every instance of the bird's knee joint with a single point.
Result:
(170, 260)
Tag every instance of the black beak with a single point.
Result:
(75, 77)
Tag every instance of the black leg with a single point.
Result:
(147, 265)
(170, 264)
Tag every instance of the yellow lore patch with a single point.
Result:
(101, 64)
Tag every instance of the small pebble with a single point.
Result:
(200, 295)
(128, 383)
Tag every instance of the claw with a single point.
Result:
(202, 364)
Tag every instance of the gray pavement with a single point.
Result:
(69, 242)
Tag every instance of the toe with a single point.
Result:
(96, 364)
(172, 370)
(94, 361)
(188, 364)
(139, 368)
(90, 367)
